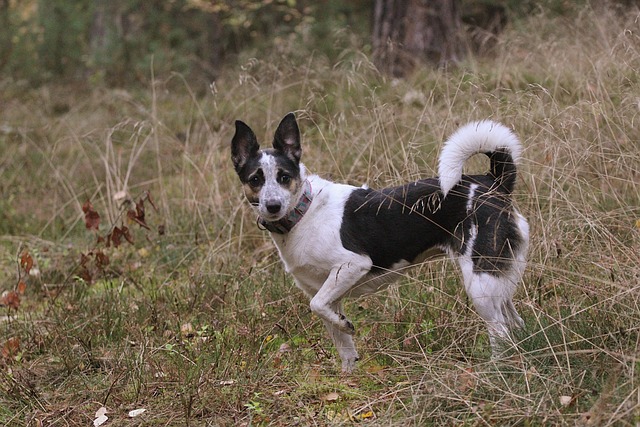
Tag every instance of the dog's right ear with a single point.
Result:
(243, 145)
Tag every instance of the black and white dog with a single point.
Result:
(341, 241)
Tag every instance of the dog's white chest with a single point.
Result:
(314, 247)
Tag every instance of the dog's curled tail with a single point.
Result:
(493, 139)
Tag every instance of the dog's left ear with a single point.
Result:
(287, 138)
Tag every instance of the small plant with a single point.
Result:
(256, 412)
(96, 261)
(11, 298)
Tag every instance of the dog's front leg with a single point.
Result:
(344, 344)
(340, 281)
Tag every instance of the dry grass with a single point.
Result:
(191, 325)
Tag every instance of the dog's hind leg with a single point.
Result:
(491, 296)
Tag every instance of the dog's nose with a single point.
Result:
(273, 207)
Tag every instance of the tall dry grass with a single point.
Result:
(569, 87)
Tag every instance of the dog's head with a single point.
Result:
(272, 178)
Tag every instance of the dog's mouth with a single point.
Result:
(267, 216)
(271, 210)
(272, 217)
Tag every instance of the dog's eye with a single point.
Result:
(285, 179)
(254, 181)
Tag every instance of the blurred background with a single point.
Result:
(123, 42)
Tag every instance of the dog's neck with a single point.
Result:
(284, 225)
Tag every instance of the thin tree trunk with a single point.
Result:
(98, 39)
(6, 44)
(408, 32)
(214, 56)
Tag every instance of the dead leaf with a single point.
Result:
(21, 287)
(91, 217)
(35, 272)
(186, 330)
(565, 400)
(143, 252)
(100, 420)
(10, 299)
(115, 237)
(138, 215)
(26, 262)
(84, 259)
(134, 413)
(102, 260)
(338, 416)
(330, 397)
(374, 368)
(127, 234)
(364, 416)
(10, 348)
(147, 196)
(314, 373)
(100, 417)
(120, 196)
(284, 348)
(85, 274)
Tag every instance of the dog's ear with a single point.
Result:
(287, 138)
(243, 145)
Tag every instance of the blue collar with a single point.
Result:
(284, 225)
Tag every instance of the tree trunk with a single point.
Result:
(6, 43)
(215, 54)
(97, 37)
(408, 32)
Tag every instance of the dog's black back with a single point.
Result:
(400, 223)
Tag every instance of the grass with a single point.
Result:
(201, 326)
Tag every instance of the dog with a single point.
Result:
(340, 241)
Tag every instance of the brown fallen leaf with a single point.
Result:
(330, 397)
(10, 348)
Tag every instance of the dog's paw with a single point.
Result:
(349, 365)
(346, 325)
